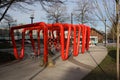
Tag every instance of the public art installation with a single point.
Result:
(54, 34)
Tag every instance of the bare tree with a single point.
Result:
(5, 5)
(112, 31)
(105, 11)
(57, 13)
(110, 11)
(2, 5)
(84, 10)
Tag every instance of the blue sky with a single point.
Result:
(24, 18)
(40, 14)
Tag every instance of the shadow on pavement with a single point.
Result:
(31, 78)
(78, 74)
(74, 61)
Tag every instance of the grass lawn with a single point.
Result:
(107, 69)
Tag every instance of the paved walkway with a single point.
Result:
(75, 68)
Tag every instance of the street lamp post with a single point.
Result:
(71, 18)
(105, 34)
(32, 17)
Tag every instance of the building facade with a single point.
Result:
(98, 34)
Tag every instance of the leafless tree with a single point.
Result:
(106, 11)
(5, 5)
(110, 11)
(57, 13)
(84, 11)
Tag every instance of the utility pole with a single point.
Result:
(117, 19)
(71, 18)
(105, 34)
(72, 25)
(9, 30)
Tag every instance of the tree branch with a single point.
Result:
(6, 9)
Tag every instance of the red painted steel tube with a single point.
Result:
(45, 44)
(32, 42)
(87, 38)
(68, 40)
(22, 49)
(23, 38)
(13, 39)
(45, 33)
(74, 42)
(60, 28)
(14, 46)
(83, 38)
(29, 27)
(38, 34)
(64, 53)
(78, 41)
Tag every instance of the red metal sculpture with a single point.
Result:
(81, 34)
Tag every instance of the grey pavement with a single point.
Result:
(75, 68)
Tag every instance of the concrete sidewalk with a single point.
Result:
(75, 68)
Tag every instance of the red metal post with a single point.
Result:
(32, 42)
(52, 27)
(78, 41)
(38, 34)
(64, 53)
(87, 38)
(83, 39)
(74, 42)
